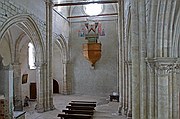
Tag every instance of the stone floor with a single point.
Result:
(104, 109)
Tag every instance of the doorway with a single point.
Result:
(33, 94)
(55, 86)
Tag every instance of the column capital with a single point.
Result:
(162, 65)
(49, 2)
(40, 64)
(16, 63)
(151, 63)
(8, 67)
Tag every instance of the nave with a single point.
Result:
(104, 110)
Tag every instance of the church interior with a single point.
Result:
(122, 54)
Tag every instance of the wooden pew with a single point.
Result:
(83, 101)
(74, 116)
(82, 104)
(88, 112)
(80, 107)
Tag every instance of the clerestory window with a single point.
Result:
(93, 9)
(31, 56)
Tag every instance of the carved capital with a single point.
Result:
(165, 65)
(8, 67)
(162, 65)
(40, 64)
(151, 63)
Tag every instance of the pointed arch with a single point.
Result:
(28, 25)
(61, 43)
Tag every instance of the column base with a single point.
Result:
(18, 105)
(39, 108)
(129, 114)
(120, 110)
(126, 111)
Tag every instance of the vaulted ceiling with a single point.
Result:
(73, 9)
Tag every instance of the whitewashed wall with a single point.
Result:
(103, 79)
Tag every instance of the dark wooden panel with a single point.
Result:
(33, 89)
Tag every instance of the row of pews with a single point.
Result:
(78, 110)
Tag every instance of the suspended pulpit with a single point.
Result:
(92, 49)
(92, 52)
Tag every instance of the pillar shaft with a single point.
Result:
(17, 86)
(121, 59)
(135, 60)
(164, 69)
(129, 114)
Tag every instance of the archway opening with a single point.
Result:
(55, 86)
(17, 33)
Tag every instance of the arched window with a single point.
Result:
(93, 9)
(31, 56)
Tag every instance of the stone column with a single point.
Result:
(49, 52)
(6, 73)
(125, 88)
(17, 86)
(163, 67)
(143, 54)
(135, 60)
(175, 98)
(67, 88)
(151, 41)
(121, 50)
(129, 114)
(152, 102)
(40, 67)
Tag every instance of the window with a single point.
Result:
(31, 56)
(93, 9)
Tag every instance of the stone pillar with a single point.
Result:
(152, 88)
(125, 88)
(163, 68)
(175, 98)
(121, 51)
(49, 54)
(143, 54)
(151, 81)
(6, 76)
(17, 87)
(67, 88)
(135, 60)
(40, 107)
(129, 114)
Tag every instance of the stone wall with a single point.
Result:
(102, 80)
(36, 8)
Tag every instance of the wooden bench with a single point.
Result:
(89, 112)
(74, 116)
(82, 104)
(70, 107)
(83, 101)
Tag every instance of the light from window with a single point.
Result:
(93, 9)
(31, 53)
